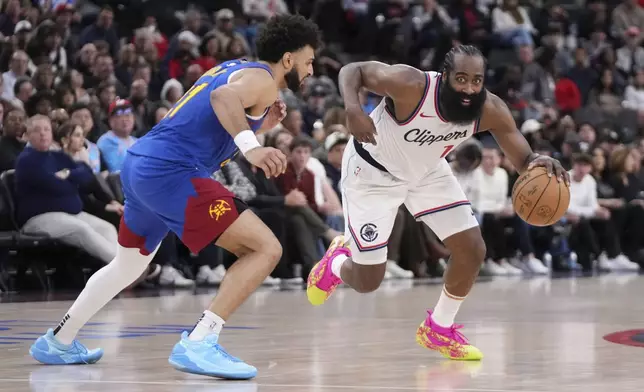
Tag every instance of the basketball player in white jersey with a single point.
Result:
(397, 156)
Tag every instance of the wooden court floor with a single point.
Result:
(537, 335)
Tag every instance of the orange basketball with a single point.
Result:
(538, 199)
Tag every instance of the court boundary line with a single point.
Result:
(242, 383)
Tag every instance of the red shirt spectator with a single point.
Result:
(297, 176)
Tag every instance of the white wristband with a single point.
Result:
(246, 141)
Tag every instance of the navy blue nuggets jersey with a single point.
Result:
(191, 132)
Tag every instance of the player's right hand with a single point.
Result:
(269, 159)
(361, 126)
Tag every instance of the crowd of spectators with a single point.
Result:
(79, 86)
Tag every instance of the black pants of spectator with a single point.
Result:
(584, 241)
(275, 219)
(493, 230)
(607, 236)
(406, 245)
(306, 228)
(629, 223)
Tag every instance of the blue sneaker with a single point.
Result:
(208, 359)
(48, 350)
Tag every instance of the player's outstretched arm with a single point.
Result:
(498, 120)
(249, 89)
(405, 85)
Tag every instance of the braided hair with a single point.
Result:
(466, 50)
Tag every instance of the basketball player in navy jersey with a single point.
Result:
(168, 186)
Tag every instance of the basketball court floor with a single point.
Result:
(537, 334)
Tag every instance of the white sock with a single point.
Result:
(104, 285)
(336, 264)
(446, 309)
(208, 324)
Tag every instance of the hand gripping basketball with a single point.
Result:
(269, 159)
(552, 166)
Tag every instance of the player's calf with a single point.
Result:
(438, 331)
(363, 278)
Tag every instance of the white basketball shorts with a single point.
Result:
(371, 198)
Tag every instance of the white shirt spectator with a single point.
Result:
(583, 196)
(503, 21)
(265, 8)
(469, 182)
(8, 81)
(625, 58)
(493, 190)
(633, 98)
(319, 173)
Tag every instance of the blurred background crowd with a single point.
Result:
(83, 80)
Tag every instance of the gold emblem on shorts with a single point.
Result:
(218, 209)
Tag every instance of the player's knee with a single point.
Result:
(272, 250)
(479, 249)
(369, 277)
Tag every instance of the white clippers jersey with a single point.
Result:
(416, 147)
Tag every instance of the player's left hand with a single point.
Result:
(552, 166)
(275, 115)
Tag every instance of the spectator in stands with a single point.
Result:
(103, 75)
(467, 158)
(293, 122)
(85, 61)
(45, 47)
(102, 30)
(74, 80)
(606, 94)
(263, 10)
(42, 102)
(58, 117)
(582, 74)
(12, 141)
(96, 196)
(334, 146)
(625, 16)
(209, 51)
(143, 108)
(627, 187)
(492, 204)
(171, 92)
(114, 144)
(634, 94)
(187, 53)
(80, 114)
(511, 23)
(43, 78)
(225, 28)
(17, 69)
(593, 230)
(306, 222)
(630, 57)
(48, 198)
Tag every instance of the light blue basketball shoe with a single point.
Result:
(48, 350)
(208, 358)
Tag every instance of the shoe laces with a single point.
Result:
(223, 351)
(454, 333)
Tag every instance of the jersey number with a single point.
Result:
(194, 90)
(186, 97)
(447, 150)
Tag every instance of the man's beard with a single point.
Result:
(452, 108)
(293, 81)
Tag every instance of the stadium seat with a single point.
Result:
(30, 249)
